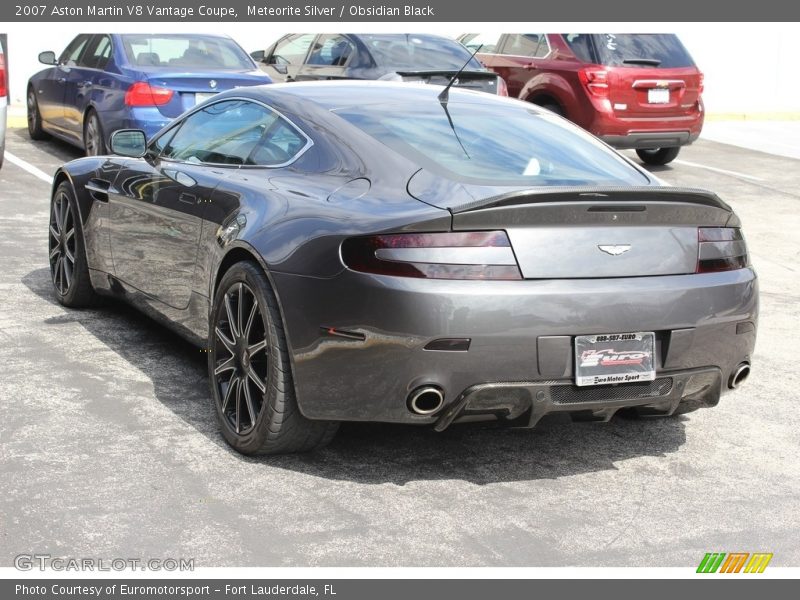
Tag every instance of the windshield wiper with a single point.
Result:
(642, 61)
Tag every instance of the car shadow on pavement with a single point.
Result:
(374, 453)
(58, 151)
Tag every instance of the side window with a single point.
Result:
(292, 50)
(488, 42)
(527, 44)
(70, 56)
(280, 144)
(581, 45)
(98, 53)
(331, 50)
(232, 132)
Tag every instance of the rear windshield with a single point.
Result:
(185, 51)
(484, 145)
(661, 50)
(419, 53)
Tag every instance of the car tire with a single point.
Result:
(658, 156)
(69, 270)
(34, 117)
(250, 373)
(93, 140)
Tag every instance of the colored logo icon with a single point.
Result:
(734, 562)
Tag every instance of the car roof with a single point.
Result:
(335, 95)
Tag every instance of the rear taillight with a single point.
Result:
(502, 88)
(596, 81)
(720, 249)
(142, 93)
(457, 255)
(702, 85)
(3, 84)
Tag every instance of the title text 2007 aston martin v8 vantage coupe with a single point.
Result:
(391, 252)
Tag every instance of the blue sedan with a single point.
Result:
(105, 82)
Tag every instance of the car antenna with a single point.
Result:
(444, 96)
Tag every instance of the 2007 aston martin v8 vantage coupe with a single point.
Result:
(368, 251)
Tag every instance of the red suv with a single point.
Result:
(640, 91)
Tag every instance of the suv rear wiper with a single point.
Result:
(642, 61)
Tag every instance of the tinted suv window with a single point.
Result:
(513, 146)
(581, 45)
(292, 50)
(331, 50)
(663, 50)
(526, 44)
(234, 132)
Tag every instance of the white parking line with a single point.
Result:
(716, 170)
(26, 166)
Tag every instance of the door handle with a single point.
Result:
(84, 84)
(529, 67)
(182, 178)
(61, 80)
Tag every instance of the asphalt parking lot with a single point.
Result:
(109, 447)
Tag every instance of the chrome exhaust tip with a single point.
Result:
(426, 400)
(739, 375)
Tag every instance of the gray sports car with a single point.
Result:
(369, 251)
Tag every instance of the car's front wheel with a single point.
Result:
(658, 156)
(69, 270)
(34, 117)
(250, 373)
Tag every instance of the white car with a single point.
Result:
(3, 102)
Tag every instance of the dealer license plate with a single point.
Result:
(658, 96)
(615, 358)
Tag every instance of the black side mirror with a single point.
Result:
(257, 55)
(129, 142)
(47, 58)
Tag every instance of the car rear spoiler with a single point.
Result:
(599, 195)
(449, 73)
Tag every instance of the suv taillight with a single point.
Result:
(142, 93)
(720, 249)
(596, 81)
(3, 83)
(457, 255)
(701, 88)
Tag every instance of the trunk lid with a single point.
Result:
(614, 232)
(195, 87)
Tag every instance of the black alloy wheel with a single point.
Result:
(250, 372)
(34, 117)
(68, 268)
(241, 358)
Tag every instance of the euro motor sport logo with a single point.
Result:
(608, 357)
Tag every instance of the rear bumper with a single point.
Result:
(525, 403)
(645, 132)
(647, 140)
(519, 331)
